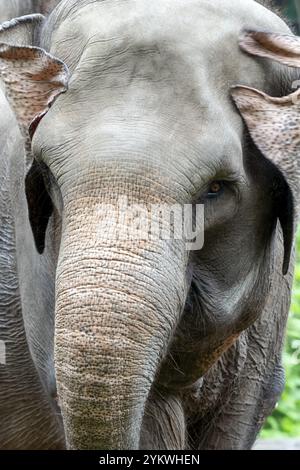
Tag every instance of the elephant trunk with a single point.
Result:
(117, 303)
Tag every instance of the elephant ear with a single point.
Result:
(33, 79)
(21, 31)
(274, 125)
(282, 48)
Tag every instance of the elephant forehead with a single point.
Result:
(178, 141)
(164, 65)
(191, 28)
(168, 57)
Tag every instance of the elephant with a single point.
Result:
(143, 343)
(16, 8)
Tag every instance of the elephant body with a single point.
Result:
(118, 343)
(28, 418)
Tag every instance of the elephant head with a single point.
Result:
(132, 102)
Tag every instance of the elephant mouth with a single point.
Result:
(183, 368)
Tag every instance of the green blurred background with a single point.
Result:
(285, 420)
(292, 9)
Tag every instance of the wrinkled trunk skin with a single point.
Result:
(117, 304)
(164, 424)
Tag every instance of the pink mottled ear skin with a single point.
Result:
(274, 125)
(284, 49)
(33, 79)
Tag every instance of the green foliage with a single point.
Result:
(285, 420)
(292, 9)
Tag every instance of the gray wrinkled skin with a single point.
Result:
(14, 8)
(155, 347)
(29, 415)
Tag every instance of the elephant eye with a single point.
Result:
(215, 189)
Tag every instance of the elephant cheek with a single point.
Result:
(117, 306)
